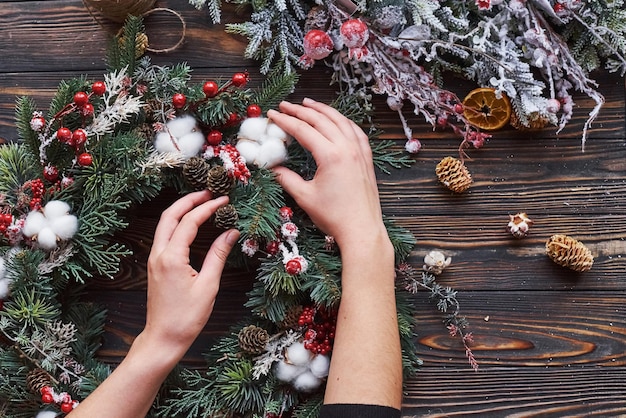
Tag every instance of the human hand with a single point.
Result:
(181, 299)
(342, 198)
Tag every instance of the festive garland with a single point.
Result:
(526, 56)
(108, 144)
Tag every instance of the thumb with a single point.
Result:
(215, 260)
(290, 181)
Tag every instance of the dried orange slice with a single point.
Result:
(484, 110)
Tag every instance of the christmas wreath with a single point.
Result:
(526, 56)
(105, 145)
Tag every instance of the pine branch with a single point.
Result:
(385, 156)
(123, 50)
(276, 87)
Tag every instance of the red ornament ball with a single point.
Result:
(37, 123)
(79, 137)
(272, 247)
(179, 100)
(98, 88)
(81, 99)
(354, 33)
(233, 118)
(67, 407)
(240, 79)
(214, 137)
(296, 265)
(210, 89)
(87, 109)
(47, 397)
(317, 44)
(51, 173)
(254, 111)
(64, 135)
(85, 159)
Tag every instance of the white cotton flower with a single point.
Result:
(5, 288)
(262, 143)
(46, 414)
(50, 225)
(306, 382)
(3, 268)
(320, 365)
(286, 372)
(180, 135)
(298, 355)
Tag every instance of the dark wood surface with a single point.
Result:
(549, 342)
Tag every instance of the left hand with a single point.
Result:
(181, 299)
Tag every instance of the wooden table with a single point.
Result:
(549, 342)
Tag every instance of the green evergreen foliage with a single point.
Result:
(123, 50)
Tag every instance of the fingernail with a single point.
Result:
(271, 111)
(232, 237)
(307, 100)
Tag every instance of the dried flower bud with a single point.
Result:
(435, 262)
(519, 225)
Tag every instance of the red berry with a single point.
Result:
(87, 109)
(64, 135)
(293, 266)
(240, 79)
(37, 123)
(179, 100)
(79, 137)
(558, 8)
(458, 108)
(51, 173)
(85, 159)
(7, 218)
(254, 111)
(210, 89)
(233, 118)
(354, 33)
(317, 44)
(47, 397)
(67, 407)
(214, 137)
(98, 88)
(81, 99)
(285, 213)
(272, 247)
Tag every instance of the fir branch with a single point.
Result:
(17, 166)
(25, 107)
(275, 88)
(385, 156)
(122, 53)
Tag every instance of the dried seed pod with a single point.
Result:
(453, 174)
(569, 252)
(196, 171)
(519, 225)
(253, 339)
(226, 217)
(435, 262)
(219, 182)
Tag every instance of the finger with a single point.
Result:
(290, 181)
(318, 120)
(187, 228)
(305, 134)
(215, 260)
(338, 119)
(171, 217)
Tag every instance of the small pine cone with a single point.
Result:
(568, 252)
(535, 121)
(196, 170)
(219, 182)
(253, 339)
(291, 317)
(317, 18)
(453, 174)
(141, 44)
(226, 217)
(37, 379)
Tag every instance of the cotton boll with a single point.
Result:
(306, 382)
(164, 143)
(4, 288)
(46, 414)
(64, 227)
(35, 222)
(275, 131)
(253, 128)
(47, 239)
(286, 372)
(181, 126)
(191, 144)
(298, 355)
(248, 149)
(319, 366)
(3, 268)
(55, 209)
(272, 153)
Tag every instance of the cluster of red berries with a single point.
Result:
(6, 219)
(319, 329)
(37, 189)
(234, 163)
(63, 399)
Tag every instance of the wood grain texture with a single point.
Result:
(549, 342)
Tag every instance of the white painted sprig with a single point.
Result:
(51, 224)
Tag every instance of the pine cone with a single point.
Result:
(253, 339)
(37, 379)
(290, 321)
(141, 44)
(535, 121)
(219, 182)
(317, 18)
(196, 171)
(568, 252)
(453, 174)
(226, 217)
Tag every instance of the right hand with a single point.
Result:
(342, 198)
